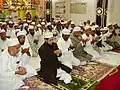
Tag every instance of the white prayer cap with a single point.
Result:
(31, 27)
(65, 22)
(65, 31)
(93, 28)
(20, 33)
(33, 23)
(2, 30)
(6, 20)
(56, 21)
(42, 23)
(38, 25)
(109, 24)
(96, 26)
(72, 23)
(105, 28)
(10, 22)
(4, 23)
(77, 29)
(87, 27)
(25, 24)
(24, 20)
(62, 23)
(48, 24)
(28, 21)
(12, 42)
(48, 35)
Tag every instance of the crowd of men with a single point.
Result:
(61, 45)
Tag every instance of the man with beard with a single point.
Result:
(3, 40)
(33, 41)
(25, 47)
(48, 53)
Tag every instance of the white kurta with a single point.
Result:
(33, 45)
(103, 38)
(3, 45)
(8, 66)
(39, 36)
(11, 32)
(67, 57)
(25, 59)
(89, 47)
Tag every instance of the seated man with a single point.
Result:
(66, 47)
(11, 72)
(25, 47)
(49, 62)
(3, 40)
(49, 54)
(79, 51)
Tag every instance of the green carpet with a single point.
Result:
(78, 83)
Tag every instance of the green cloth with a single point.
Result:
(78, 83)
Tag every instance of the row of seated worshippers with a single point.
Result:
(60, 45)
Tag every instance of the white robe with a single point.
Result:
(103, 38)
(3, 45)
(33, 45)
(25, 59)
(11, 32)
(67, 59)
(8, 66)
(89, 47)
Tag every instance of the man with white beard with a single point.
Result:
(11, 72)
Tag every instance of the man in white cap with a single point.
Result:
(79, 51)
(43, 27)
(49, 62)
(112, 39)
(3, 40)
(65, 45)
(25, 47)
(10, 70)
(11, 30)
(89, 39)
(67, 58)
(33, 41)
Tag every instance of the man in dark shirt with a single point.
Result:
(48, 53)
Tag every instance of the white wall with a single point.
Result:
(67, 4)
(114, 11)
(91, 12)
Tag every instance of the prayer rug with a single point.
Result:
(36, 84)
(78, 83)
(111, 81)
(94, 71)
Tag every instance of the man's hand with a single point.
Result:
(25, 50)
(71, 47)
(36, 41)
(57, 52)
(21, 71)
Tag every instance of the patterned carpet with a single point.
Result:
(94, 71)
(82, 79)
